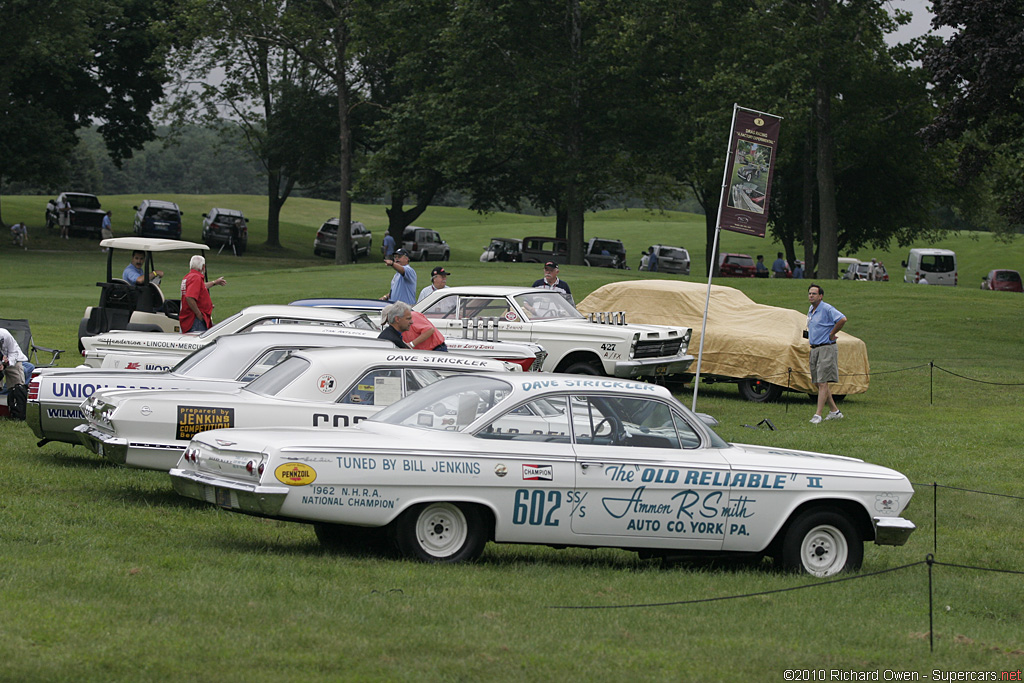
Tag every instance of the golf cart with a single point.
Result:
(128, 306)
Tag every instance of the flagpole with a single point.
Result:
(714, 256)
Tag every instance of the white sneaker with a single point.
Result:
(834, 415)
(816, 419)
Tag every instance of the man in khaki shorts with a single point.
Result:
(823, 324)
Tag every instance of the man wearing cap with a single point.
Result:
(438, 280)
(403, 284)
(551, 281)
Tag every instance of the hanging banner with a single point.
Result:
(744, 204)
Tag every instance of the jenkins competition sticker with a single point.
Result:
(195, 419)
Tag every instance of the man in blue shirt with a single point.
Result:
(652, 261)
(388, 245)
(403, 284)
(779, 266)
(823, 324)
(133, 273)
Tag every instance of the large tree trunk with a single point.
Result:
(343, 252)
(574, 225)
(828, 219)
(807, 206)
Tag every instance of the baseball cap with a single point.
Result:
(439, 271)
(400, 252)
(550, 264)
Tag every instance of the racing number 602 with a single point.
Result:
(531, 505)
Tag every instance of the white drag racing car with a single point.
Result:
(139, 350)
(601, 345)
(56, 394)
(616, 464)
(323, 388)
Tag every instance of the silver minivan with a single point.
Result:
(931, 267)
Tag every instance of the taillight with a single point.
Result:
(260, 469)
(33, 390)
(250, 466)
(524, 363)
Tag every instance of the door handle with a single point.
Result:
(587, 464)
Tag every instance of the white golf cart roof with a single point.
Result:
(151, 244)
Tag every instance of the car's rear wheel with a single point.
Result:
(759, 391)
(441, 532)
(822, 542)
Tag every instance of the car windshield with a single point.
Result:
(82, 201)
(672, 252)
(271, 382)
(214, 361)
(449, 405)
(219, 327)
(546, 305)
(740, 260)
(1007, 276)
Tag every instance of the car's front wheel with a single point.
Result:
(759, 391)
(822, 542)
(441, 532)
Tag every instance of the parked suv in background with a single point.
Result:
(157, 218)
(1002, 280)
(736, 265)
(86, 215)
(425, 245)
(602, 253)
(220, 229)
(326, 241)
(674, 260)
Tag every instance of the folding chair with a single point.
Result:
(22, 334)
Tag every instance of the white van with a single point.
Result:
(935, 266)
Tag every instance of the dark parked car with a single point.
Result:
(157, 218)
(425, 245)
(603, 253)
(1002, 280)
(736, 265)
(544, 249)
(504, 249)
(226, 228)
(326, 241)
(85, 213)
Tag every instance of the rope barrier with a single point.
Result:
(791, 371)
(743, 595)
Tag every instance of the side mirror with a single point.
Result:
(136, 208)
(205, 216)
(708, 420)
(904, 264)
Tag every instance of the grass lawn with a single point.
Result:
(107, 575)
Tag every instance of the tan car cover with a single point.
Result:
(744, 339)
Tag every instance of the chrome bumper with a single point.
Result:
(227, 493)
(653, 367)
(100, 443)
(892, 530)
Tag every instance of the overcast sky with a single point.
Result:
(921, 23)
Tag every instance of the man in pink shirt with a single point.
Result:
(423, 335)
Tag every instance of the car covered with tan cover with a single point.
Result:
(760, 347)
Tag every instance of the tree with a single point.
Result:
(979, 73)
(66, 63)
(239, 75)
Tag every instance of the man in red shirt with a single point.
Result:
(423, 335)
(196, 313)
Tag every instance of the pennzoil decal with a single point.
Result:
(195, 419)
(295, 474)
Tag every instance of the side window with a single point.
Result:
(375, 388)
(264, 363)
(483, 307)
(442, 308)
(624, 421)
(544, 420)
(688, 438)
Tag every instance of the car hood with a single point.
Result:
(802, 463)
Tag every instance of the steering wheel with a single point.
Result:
(615, 430)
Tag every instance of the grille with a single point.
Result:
(656, 348)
